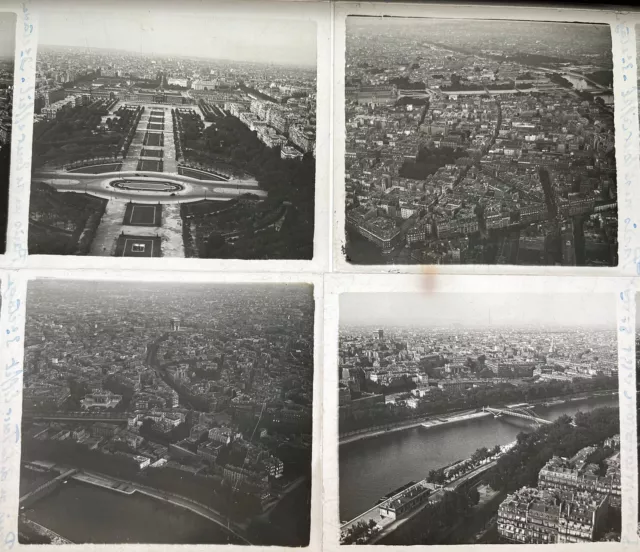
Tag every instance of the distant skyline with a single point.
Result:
(513, 36)
(51, 286)
(479, 24)
(278, 41)
(477, 310)
(370, 20)
(7, 34)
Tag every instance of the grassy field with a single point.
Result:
(142, 215)
(149, 165)
(151, 153)
(138, 246)
(200, 175)
(153, 139)
(97, 169)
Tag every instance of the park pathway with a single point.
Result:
(137, 145)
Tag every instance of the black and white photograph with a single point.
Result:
(478, 418)
(158, 412)
(204, 121)
(7, 55)
(479, 142)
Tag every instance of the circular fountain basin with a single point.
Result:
(146, 185)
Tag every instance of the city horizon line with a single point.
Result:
(462, 325)
(386, 18)
(185, 56)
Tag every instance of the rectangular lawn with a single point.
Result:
(97, 169)
(153, 139)
(138, 246)
(151, 153)
(149, 165)
(138, 214)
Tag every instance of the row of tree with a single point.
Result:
(74, 135)
(441, 475)
(359, 532)
(57, 211)
(520, 466)
(441, 402)
(290, 181)
(515, 469)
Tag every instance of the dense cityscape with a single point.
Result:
(466, 143)
(214, 157)
(7, 53)
(386, 377)
(494, 433)
(164, 412)
(167, 392)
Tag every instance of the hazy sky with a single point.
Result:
(483, 310)
(482, 26)
(7, 34)
(278, 41)
(511, 36)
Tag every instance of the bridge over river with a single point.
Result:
(523, 412)
(46, 488)
(76, 416)
(123, 487)
(387, 524)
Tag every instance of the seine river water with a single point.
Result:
(85, 513)
(370, 468)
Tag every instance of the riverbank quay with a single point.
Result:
(460, 415)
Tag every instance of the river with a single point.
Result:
(84, 513)
(577, 82)
(370, 468)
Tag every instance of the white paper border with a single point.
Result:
(622, 290)
(15, 287)
(318, 12)
(22, 131)
(628, 167)
(328, 240)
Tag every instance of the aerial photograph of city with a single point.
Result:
(211, 135)
(479, 142)
(162, 413)
(7, 53)
(463, 422)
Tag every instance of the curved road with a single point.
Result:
(194, 189)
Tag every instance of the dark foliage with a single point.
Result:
(443, 402)
(520, 466)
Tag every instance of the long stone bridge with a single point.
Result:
(45, 488)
